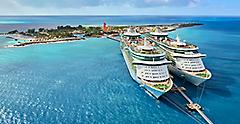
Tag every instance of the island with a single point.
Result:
(74, 33)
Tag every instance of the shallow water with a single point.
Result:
(88, 82)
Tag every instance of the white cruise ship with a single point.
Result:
(187, 61)
(146, 63)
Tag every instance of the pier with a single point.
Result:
(193, 106)
(175, 89)
(113, 38)
(3, 34)
(182, 109)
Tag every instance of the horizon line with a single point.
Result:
(121, 15)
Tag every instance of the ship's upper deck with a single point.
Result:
(131, 32)
(176, 44)
(157, 32)
(179, 44)
(142, 47)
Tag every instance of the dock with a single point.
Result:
(193, 106)
(178, 88)
(3, 34)
(113, 38)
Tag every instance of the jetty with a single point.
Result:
(46, 41)
(193, 106)
(3, 34)
(113, 38)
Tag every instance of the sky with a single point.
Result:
(120, 7)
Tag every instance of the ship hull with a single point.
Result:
(190, 78)
(155, 93)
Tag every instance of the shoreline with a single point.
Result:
(87, 32)
(66, 40)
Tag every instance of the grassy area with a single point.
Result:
(161, 86)
(60, 32)
(205, 75)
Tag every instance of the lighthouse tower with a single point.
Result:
(105, 28)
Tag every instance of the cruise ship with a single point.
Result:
(187, 61)
(146, 63)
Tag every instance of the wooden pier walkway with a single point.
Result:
(194, 106)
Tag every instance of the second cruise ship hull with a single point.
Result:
(190, 78)
(152, 91)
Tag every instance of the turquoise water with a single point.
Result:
(84, 81)
(7, 41)
(88, 82)
(12, 22)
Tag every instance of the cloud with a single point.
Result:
(158, 3)
(94, 7)
(60, 3)
(94, 3)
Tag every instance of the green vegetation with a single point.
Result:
(118, 28)
(93, 31)
(161, 86)
(60, 32)
(13, 32)
(203, 75)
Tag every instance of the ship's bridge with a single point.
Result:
(190, 64)
(131, 36)
(146, 51)
(146, 48)
(154, 71)
(158, 33)
(177, 44)
(147, 54)
(132, 33)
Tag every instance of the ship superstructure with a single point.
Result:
(187, 61)
(146, 63)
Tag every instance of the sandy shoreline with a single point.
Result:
(32, 39)
(44, 42)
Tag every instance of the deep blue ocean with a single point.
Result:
(88, 82)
